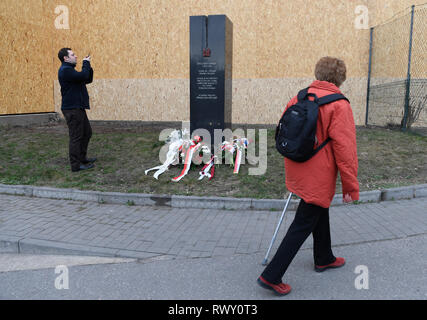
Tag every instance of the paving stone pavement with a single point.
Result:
(35, 225)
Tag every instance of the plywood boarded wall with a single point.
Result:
(25, 58)
(140, 54)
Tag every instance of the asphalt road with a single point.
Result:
(386, 269)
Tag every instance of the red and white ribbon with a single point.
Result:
(238, 161)
(205, 170)
(240, 145)
(175, 145)
(194, 146)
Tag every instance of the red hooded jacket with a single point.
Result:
(315, 180)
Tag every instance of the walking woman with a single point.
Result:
(314, 181)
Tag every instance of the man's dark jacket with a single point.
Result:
(73, 85)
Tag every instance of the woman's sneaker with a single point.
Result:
(280, 289)
(339, 262)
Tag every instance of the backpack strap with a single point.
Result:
(331, 98)
(321, 146)
(325, 100)
(303, 94)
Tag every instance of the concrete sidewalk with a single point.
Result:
(37, 225)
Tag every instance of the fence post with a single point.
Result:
(408, 77)
(369, 75)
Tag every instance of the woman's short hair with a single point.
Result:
(331, 69)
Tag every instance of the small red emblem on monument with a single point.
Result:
(206, 52)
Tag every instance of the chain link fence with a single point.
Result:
(397, 82)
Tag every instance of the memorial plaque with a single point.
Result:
(211, 51)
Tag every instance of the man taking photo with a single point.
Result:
(75, 101)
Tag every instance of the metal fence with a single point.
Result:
(397, 81)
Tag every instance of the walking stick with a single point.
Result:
(264, 263)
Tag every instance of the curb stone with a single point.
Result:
(9, 244)
(13, 244)
(175, 201)
(33, 246)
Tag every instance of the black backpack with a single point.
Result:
(296, 131)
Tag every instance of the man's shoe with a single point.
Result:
(280, 289)
(89, 160)
(339, 262)
(84, 167)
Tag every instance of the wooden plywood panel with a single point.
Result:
(381, 11)
(177, 13)
(25, 69)
(125, 40)
(9, 9)
(390, 49)
(255, 100)
(145, 99)
(419, 45)
(274, 40)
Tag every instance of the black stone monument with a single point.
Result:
(211, 52)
